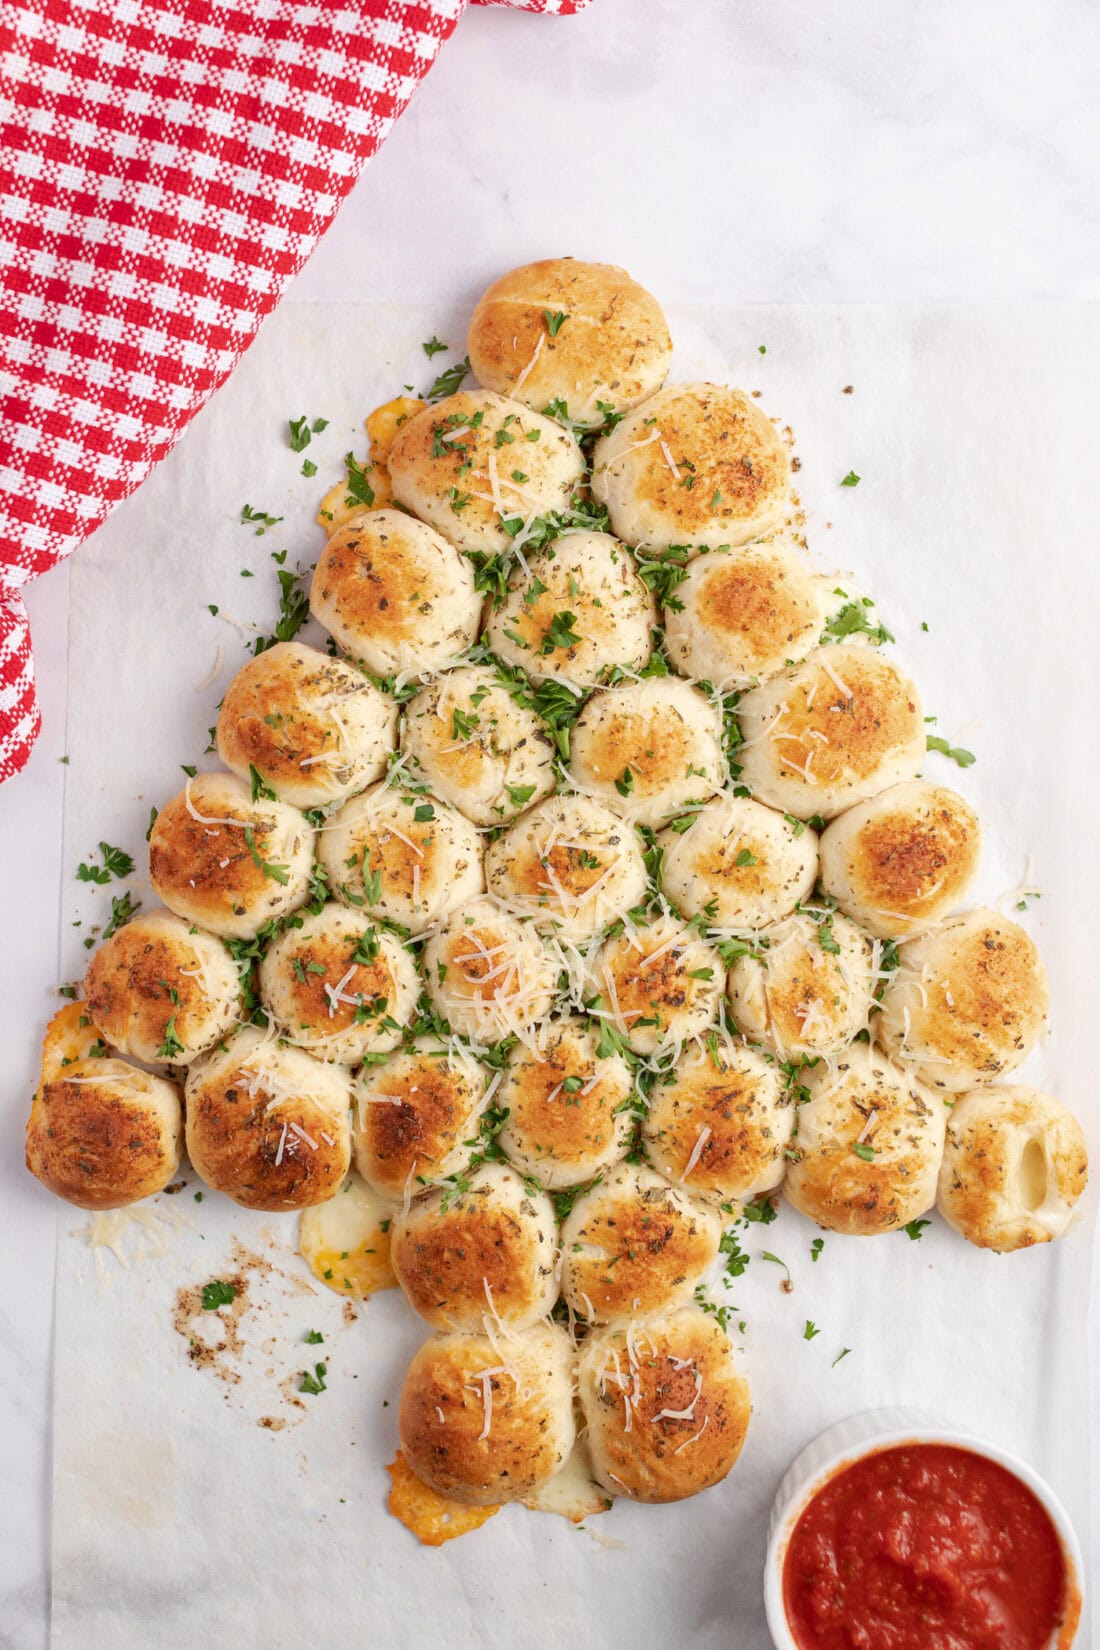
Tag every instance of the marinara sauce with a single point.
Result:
(926, 1547)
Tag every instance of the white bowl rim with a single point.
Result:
(868, 1433)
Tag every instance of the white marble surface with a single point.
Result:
(763, 151)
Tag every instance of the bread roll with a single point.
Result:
(268, 1125)
(488, 974)
(224, 862)
(1013, 1169)
(899, 862)
(415, 1114)
(695, 464)
(477, 744)
(658, 984)
(338, 986)
(401, 855)
(561, 330)
(648, 748)
(739, 863)
(395, 594)
(482, 1255)
(570, 864)
(161, 990)
(666, 1407)
(967, 1002)
(577, 609)
(312, 727)
(568, 1109)
(453, 465)
(720, 1124)
(634, 1244)
(485, 1420)
(742, 615)
(808, 989)
(868, 1145)
(842, 726)
(103, 1134)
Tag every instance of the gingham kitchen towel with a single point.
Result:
(166, 167)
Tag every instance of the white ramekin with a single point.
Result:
(877, 1429)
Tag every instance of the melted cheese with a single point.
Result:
(343, 1243)
(431, 1517)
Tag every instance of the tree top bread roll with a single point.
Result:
(580, 334)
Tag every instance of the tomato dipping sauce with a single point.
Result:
(926, 1547)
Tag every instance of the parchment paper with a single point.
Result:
(178, 1517)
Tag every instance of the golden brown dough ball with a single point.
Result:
(478, 746)
(738, 863)
(415, 1114)
(570, 864)
(809, 987)
(401, 855)
(266, 1124)
(478, 466)
(635, 1244)
(224, 862)
(482, 1253)
(742, 615)
(568, 1107)
(395, 594)
(659, 984)
(868, 1145)
(488, 974)
(695, 464)
(834, 730)
(666, 1406)
(1013, 1169)
(485, 1419)
(103, 1134)
(338, 986)
(574, 610)
(720, 1125)
(314, 728)
(564, 330)
(160, 989)
(648, 748)
(967, 1002)
(899, 862)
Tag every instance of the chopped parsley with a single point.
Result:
(314, 1383)
(914, 1229)
(851, 479)
(560, 633)
(964, 758)
(250, 517)
(217, 1294)
(555, 320)
(171, 1048)
(116, 863)
(448, 381)
(434, 347)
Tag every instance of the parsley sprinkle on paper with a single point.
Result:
(217, 1294)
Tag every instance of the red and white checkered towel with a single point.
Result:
(166, 167)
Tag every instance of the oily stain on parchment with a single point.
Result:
(219, 1345)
